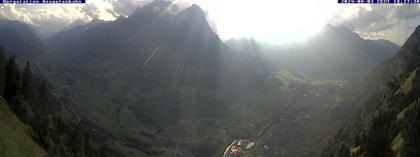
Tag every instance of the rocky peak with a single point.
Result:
(193, 12)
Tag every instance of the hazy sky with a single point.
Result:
(275, 21)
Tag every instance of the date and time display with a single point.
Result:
(84, 1)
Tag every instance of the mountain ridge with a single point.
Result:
(380, 123)
(154, 72)
(159, 83)
(335, 52)
(21, 39)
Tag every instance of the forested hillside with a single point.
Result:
(388, 122)
(162, 83)
(31, 124)
(14, 138)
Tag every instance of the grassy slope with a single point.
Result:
(355, 150)
(14, 142)
(407, 84)
(401, 114)
(397, 142)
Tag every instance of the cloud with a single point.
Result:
(126, 7)
(9, 11)
(49, 19)
(44, 20)
(392, 22)
(92, 11)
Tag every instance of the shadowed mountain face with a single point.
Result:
(336, 52)
(21, 39)
(159, 83)
(387, 124)
(160, 46)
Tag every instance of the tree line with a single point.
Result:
(28, 96)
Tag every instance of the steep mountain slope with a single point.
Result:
(14, 138)
(163, 84)
(21, 39)
(184, 42)
(196, 114)
(335, 52)
(154, 83)
(159, 84)
(387, 124)
(37, 123)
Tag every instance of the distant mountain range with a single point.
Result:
(334, 52)
(21, 39)
(166, 47)
(159, 83)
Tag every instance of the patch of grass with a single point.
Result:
(339, 99)
(321, 82)
(287, 78)
(397, 142)
(14, 142)
(354, 150)
(401, 114)
(408, 83)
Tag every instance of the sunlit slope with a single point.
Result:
(14, 140)
(157, 84)
(388, 122)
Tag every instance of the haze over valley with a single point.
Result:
(165, 81)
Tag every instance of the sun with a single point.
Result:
(274, 21)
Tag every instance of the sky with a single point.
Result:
(273, 21)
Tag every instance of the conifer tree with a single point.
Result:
(378, 142)
(343, 151)
(27, 89)
(3, 61)
(22, 109)
(43, 102)
(11, 84)
(411, 132)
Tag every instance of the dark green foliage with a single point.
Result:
(105, 151)
(388, 123)
(411, 132)
(3, 60)
(13, 92)
(378, 144)
(22, 109)
(27, 89)
(343, 151)
(42, 101)
(57, 137)
(80, 143)
(359, 139)
(11, 84)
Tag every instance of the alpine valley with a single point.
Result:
(163, 84)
